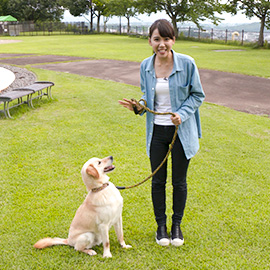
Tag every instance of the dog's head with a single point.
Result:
(94, 172)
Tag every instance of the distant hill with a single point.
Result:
(247, 27)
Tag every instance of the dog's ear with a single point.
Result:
(91, 170)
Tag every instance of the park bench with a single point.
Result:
(31, 92)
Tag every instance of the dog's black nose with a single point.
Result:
(111, 157)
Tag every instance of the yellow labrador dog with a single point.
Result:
(101, 209)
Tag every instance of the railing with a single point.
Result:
(64, 28)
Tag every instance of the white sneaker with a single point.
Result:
(163, 242)
(177, 242)
(162, 237)
(177, 238)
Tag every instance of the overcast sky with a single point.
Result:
(228, 19)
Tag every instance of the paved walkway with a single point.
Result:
(240, 92)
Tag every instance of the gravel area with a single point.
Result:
(23, 77)
(6, 41)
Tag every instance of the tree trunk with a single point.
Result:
(174, 22)
(128, 25)
(91, 19)
(105, 20)
(261, 38)
(98, 22)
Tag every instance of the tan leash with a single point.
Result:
(170, 147)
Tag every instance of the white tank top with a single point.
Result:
(162, 102)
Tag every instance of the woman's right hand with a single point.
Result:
(127, 103)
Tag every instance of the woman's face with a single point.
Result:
(161, 45)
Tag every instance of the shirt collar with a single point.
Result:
(177, 66)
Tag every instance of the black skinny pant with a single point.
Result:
(162, 137)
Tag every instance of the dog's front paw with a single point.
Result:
(107, 254)
(126, 246)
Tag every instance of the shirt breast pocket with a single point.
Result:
(182, 92)
(182, 87)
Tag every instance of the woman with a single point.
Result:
(170, 83)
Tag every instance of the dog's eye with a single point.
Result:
(99, 162)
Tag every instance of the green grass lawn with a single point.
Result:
(226, 223)
(249, 61)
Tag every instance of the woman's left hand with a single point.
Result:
(176, 119)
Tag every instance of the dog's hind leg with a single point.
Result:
(84, 242)
(118, 227)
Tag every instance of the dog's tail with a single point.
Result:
(48, 242)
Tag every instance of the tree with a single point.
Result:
(251, 8)
(96, 8)
(183, 10)
(100, 9)
(36, 10)
(79, 8)
(4, 8)
(125, 8)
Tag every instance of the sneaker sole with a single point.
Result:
(163, 242)
(177, 242)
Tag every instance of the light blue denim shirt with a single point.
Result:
(186, 94)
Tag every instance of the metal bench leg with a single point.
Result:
(40, 94)
(29, 101)
(49, 92)
(6, 110)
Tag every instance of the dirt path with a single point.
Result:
(240, 92)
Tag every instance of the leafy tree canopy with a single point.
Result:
(77, 7)
(4, 8)
(35, 10)
(183, 10)
(253, 8)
